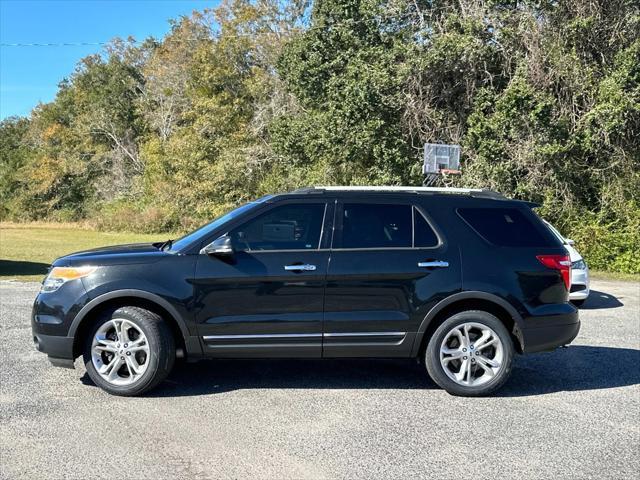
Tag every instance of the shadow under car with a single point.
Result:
(597, 300)
(564, 369)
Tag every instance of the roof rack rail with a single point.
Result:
(476, 192)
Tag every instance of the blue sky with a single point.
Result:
(29, 75)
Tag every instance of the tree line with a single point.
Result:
(259, 96)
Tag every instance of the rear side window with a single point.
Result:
(374, 225)
(424, 236)
(505, 227)
(367, 225)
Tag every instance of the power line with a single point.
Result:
(214, 36)
(66, 44)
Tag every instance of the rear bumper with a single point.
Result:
(547, 338)
(548, 332)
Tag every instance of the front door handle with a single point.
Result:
(300, 268)
(433, 264)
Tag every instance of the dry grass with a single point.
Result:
(50, 225)
(616, 276)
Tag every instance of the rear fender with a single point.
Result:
(459, 297)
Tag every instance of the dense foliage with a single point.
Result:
(264, 95)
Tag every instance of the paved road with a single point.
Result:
(570, 413)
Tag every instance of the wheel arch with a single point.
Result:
(134, 298)
(470, 300)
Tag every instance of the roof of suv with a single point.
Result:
(473, 192)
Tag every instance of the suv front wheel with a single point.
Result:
(470, 354)
(129, 351)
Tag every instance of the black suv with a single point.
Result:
(461, 279)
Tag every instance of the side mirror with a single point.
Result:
(570, 242)
(220, 247)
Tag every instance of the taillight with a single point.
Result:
(558, 262)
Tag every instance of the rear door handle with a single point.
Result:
(433, 264)
(300, 268)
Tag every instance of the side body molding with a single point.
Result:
(138, 294)
(456, 297)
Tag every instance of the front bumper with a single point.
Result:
(51, 319)
(550, 329)
(579, 284)
(59, 349)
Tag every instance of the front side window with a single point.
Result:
(202, 232)
(288, 227)
(370, 225)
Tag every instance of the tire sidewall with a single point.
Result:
(432, 354)
(153, 358)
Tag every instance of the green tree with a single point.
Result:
(217, 153)
(14, 155)
(256, 96)
(346, 71)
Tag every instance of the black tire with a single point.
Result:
(578, 303)
(432, 354)
(162, 350)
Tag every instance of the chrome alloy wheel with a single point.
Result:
(471, 354)
(120, 352)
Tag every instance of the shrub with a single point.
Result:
(609, 246)
(123, 215)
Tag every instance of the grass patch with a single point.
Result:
(616, 276)
(27, 250)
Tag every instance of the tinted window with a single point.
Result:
(205, 230)
(424, 236)
(376, 226)
(289, 227)
(506, 227)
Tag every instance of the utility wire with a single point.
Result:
(214, 36)
(66, 44)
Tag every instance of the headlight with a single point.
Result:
(579, 265)
(60, 275)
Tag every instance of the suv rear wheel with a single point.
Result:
(129, 351)
(470, 354)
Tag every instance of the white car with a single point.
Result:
(579, 270)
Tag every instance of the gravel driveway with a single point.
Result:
(574, 412)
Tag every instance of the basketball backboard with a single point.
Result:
(439, 157)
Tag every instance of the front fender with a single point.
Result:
(124, 293)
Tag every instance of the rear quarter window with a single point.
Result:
(507, 227)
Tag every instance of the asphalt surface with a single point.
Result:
(571, 413)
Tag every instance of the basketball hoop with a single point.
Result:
(440, 162)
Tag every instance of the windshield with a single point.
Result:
(203, 231)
